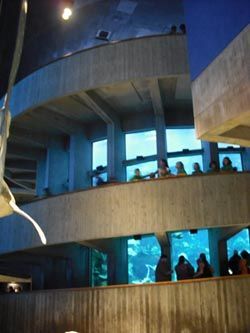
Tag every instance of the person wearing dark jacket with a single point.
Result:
(204, 270)
(184, 270)
(162, 273)
(234, 263)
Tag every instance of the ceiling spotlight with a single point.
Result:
(67, 9)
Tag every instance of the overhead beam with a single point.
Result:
(20, 185)
(99, 106)
(24, 176)
(16, 151)
(20, 165)
(116, 138)
(160, 125)
(155, 94)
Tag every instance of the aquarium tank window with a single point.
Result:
(99, 268)
(238, 242)
(140, 144)
(143, 256)
(234, 157)
(99, 153)
(182, 138)
(190, 245)
(227, 145)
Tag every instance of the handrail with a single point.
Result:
(153, 284)
(120, 183)
(108, 43)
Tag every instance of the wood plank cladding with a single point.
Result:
(133, 208)
(216, 305)
(156, 56)
(221, 95)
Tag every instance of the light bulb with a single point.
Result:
(67, 12)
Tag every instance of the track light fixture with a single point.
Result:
(67, 9)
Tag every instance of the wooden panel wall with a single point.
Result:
(218, 306)
(157, 56)
(133, 208)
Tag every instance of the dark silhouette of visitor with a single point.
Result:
(183, 28)
(11, 290)
(213, 167)
(173, 30)
(137, 176)
(184, 270)
(180, 169)
(197, 169)
(162, 273)
(152, 175)
(244, 265)
(204, 269)
(227, 165)
(99, 181)
(234, 262)
(163, 169)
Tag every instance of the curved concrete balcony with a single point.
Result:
(125, 209)
(147, 57)
(208, 305)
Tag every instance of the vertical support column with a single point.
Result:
(214, 236)
(58, 165)
(79, 162)
(116, 151)
(223, 259)
(210, 153)
(118, 262)
(161, 141)
(218, 248)
(41, 176)
(246, 159)
(160, 125)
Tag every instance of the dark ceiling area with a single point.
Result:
(49, 38)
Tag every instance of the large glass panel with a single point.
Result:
(189, 245)
(143, 256)
(145, 168)
(140, 144)
(99, 268)
(188, 162)
(234, 157)
(182, 138)
(226, 145)
(238, 242)
(99, 154)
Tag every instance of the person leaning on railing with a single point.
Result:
(163, 169)
(227, 165)
(213, 167)
(197, 169)
(180, 169)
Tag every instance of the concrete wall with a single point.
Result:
(111, 63)
(221, 95)
(215, 305)
(177, 203)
